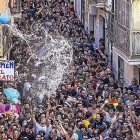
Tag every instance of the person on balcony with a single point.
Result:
(134, 85)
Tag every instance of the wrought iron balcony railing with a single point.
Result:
(100, 3)
(94, 1)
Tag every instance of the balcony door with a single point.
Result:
(120, 69)
(101, 27)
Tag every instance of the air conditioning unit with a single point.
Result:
(92, 10)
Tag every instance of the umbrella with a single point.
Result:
(12, 94)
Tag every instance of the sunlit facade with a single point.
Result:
(12, 8)
(124, 39)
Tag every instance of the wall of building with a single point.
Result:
(86, 16)
(97, 25)
(115, 63)
(79, 9)
(2, 6)
(135, 16)
(130, 71)
(90, 23)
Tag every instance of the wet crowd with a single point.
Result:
(89, 103)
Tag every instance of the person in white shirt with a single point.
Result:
(28, 84)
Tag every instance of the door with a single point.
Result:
(101, 27)
(93, 22)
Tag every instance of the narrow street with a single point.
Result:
(69, 70)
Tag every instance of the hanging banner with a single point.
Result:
(7, 70)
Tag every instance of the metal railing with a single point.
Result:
(100, 1)
(122, 38)
(94, 1)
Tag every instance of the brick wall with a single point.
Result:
(2, 6)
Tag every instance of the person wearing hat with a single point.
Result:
(113, 99)
(27, 117)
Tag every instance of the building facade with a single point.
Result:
(123, 39)
(94, 17)
(116, 21)
(12, 8)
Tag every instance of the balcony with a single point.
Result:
(127, 44)
(127, 31)
(94, 1)
(135, 43)
(16, 10)
(100, 3)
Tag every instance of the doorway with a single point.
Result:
(101, 27)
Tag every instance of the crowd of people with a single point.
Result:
(89, 103)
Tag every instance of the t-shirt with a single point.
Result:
(86, 123)
(135, 89)
(80, 135)
(113, 101)
(30, 137)
(58, 138)
(115, 105)
(113, 119)
(26, 88)
(29, 123)
(137, 109)
(74, 136)
(101, 88)
(106, 81)
(82, 60)
(91, 47)
(114, 85)
(40, 128)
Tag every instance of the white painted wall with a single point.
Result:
(115, 64)
(100, 27)
(90, 26)
(97, 27)
(79, 9)
(130, 71)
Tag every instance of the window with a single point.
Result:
(120, 69)
(122, 12)
(121, 36)
(17, 7)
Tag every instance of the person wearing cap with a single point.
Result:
(113, 99)
(27, 117)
